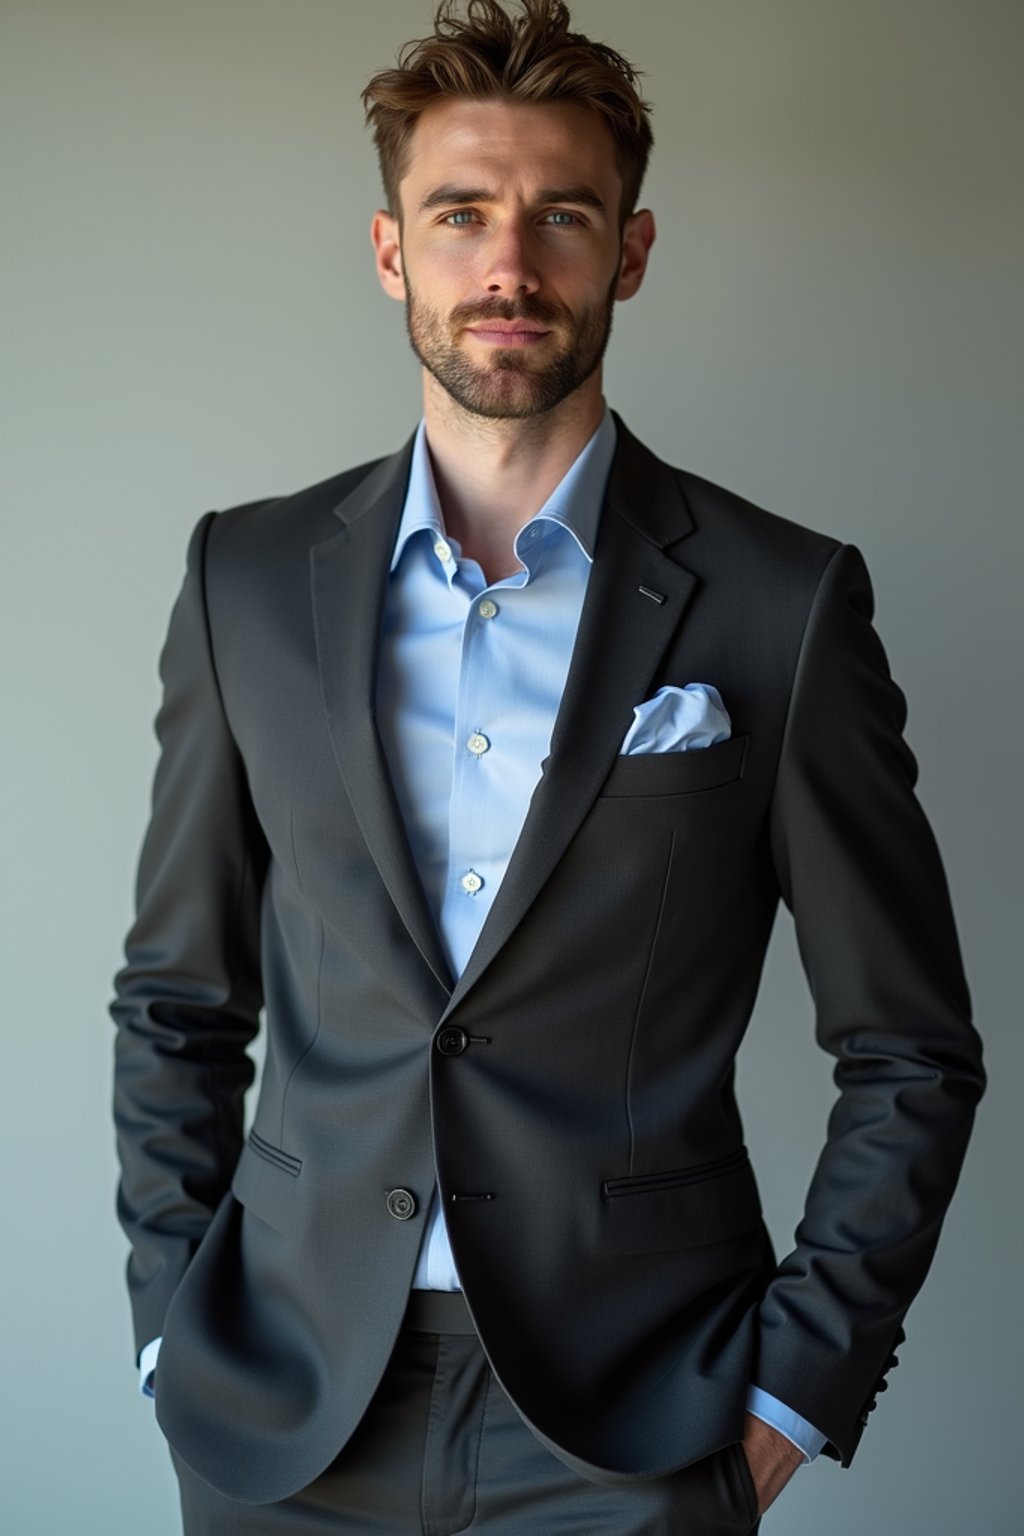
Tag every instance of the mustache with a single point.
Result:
(528, 308)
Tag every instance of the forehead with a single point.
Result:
(510, 144)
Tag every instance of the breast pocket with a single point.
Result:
(677, 773)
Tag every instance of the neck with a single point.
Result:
(493, 475)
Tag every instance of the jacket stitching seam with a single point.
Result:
(640, 1000)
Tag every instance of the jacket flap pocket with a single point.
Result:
(265, 1182)
(677, 773)
(654, 1213)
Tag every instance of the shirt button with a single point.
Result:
(401, 1204)
(478, 744)
(471, 882)
(443, 551)
(487, 609)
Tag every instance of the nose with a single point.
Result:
(511, 265)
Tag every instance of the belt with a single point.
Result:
(437, 1312)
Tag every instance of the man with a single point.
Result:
(484, 768)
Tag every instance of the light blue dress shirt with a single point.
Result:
(470, 678)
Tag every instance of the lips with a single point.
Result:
(508, 336)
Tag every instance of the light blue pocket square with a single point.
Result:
(678, 720)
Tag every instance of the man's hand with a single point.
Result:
(772, 1460)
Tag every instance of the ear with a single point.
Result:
(637, 238)
(386, 238)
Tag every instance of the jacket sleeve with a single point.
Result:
(858, 866)
(188, 998)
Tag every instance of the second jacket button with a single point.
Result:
(401, 1204)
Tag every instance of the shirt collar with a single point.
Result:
(574, 504)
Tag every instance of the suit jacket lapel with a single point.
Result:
(635, 600)
(349, 573)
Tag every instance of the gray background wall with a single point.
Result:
(831, 325)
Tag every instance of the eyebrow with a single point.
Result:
(449, 194)
(582, 195)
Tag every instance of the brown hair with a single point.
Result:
(487, 54)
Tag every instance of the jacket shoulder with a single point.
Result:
(268, 514)
(723, 517)
(257, 552)
(701, 521)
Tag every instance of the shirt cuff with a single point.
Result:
(147, 1365)
(797, 1431)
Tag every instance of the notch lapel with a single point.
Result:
(349, 576)
(622, 636)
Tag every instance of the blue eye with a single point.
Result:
(460, 214)
(561, 214)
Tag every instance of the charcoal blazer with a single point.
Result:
(572, 1092)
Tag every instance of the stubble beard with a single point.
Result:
(509, 384)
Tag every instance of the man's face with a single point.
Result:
(509, 256)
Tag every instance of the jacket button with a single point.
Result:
(452, 1042)
(401, 1204)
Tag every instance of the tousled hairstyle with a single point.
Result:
(486, 54)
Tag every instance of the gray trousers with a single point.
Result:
(442, 1450)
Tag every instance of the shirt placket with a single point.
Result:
(476, 809)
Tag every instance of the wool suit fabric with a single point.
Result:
(581, 1121)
